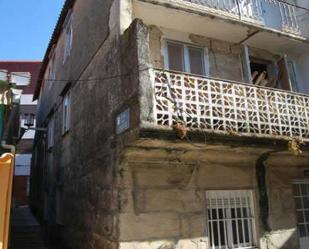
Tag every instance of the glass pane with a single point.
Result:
(245, 213)
(300, 217)
(175, 57)
(216, 233)
(247, 238)
(20, 78)
(296, 190)
(307, 216)
(3, 75)
(239, 212)
(196, 60)
(304, 190)
(298, 203)
(240, 230)
(234, 229)
(306, 202)
(222, 234)
(302, 230)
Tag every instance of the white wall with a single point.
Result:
(26, 99)
(22, 164)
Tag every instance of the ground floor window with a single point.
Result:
(231, 221)
(301, 196)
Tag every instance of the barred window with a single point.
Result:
(301, 196)
(231, 219)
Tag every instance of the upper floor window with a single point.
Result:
(50, 133)
(66, 113)
(3, 74)
(21, 78)
(185, 58)
(68, 37)
(52, 68)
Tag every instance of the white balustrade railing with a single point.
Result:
(232, 108)
(262, 12)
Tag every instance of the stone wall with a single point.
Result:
(225, 59)
(163, 194)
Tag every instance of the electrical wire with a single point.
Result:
(85, 80)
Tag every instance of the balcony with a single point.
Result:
(271, 14)
(231, 108)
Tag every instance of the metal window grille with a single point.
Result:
(231, 221)
(301, 196)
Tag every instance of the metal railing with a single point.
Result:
(231, 108)
(272, 14)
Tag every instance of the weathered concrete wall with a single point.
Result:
(224, 58)
(163, 195)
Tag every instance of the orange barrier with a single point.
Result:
(6, 182)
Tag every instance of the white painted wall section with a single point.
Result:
(26, 99)
(22, 164)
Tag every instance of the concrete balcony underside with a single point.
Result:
(223, 24)
(229, 108)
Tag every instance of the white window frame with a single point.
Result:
(22, 75)
(52, 68)
(50, 132)
(66, 113)
(186, 57)
(4, 75)
(299, 182)
(68, 36)
(231, 198)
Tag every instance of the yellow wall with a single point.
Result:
(6, 178)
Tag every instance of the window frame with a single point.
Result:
(186, 56)
(66, 113)
(22, 75)
(68, 36)
(298, 182)
(4, 72)
(229, 230)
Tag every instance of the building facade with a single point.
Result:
(175, 124)
(24, 74)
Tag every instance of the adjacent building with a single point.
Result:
(175, 124)
(23, 74)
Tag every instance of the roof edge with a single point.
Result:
(54, 38)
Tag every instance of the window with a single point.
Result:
(66, 113)
(3, 75)
(52, 69)
(21, 78)
(263, 72)
(68, 36)
(50, 133)
(292, 74)
(301, 196)
(230, 219)
(186, 58)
